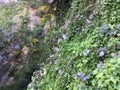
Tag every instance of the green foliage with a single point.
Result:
(82, 54)
(84, 49)
(112, 12)
(59, 8)
(108, 75)
(85, 60)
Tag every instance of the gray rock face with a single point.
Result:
(1, 73)
(33, 18)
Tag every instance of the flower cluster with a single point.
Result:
(35, 40)
(44, 8)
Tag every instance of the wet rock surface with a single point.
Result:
(1, 73)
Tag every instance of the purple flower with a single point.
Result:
(10, 55)
(85, 78)
(82, 76)
(101, 53)
(17, 46)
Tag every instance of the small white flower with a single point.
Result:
(60, 72)
(57, 49)
(56, 61)
(85, 53)
(56, 68)
(59, 40)
(64, 36)
(51, 56)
